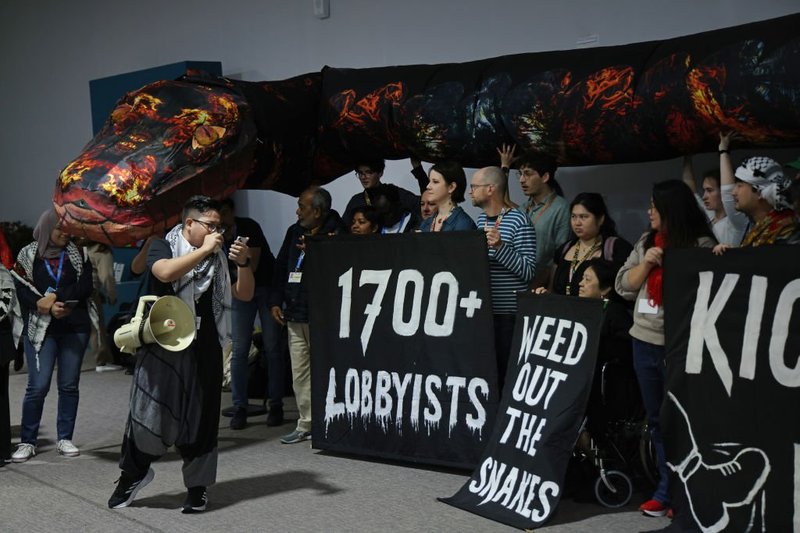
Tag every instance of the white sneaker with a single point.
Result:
(67, 449)
(23, 452)
(108, 367)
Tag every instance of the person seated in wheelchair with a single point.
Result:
(610, 398)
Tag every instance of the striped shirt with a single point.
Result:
(513, 266)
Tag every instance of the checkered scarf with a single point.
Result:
(767, 178)
(23, 273)
(211, 272)
(9, 306)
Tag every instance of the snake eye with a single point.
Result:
(204, 136)
(120, 112)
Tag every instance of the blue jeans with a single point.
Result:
(648, 362)
(242, 318)
(67, 350)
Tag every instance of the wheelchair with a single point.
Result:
(619, 447)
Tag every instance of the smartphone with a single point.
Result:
(242, 240)
(72, 304)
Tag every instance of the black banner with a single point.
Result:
(403, 362)
(519, 480)
(730, 422)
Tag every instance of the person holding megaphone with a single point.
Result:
(175, 397)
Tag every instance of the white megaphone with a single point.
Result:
(170, 324)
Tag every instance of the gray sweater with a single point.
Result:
(647, 327)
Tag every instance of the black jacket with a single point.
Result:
(295, 295)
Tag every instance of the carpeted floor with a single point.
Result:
(262, 485)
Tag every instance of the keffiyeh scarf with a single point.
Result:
(9, 306)
(23, 272)
(210, 273)
(767, 178)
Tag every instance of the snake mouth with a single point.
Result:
(87, 214)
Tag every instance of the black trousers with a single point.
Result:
(503, 333)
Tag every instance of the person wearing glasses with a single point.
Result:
(175, 397)
(369, 174)
(511, 241)
(546, 208)
(676, 221)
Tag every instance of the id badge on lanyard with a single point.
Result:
(297, 276)
(55, 277)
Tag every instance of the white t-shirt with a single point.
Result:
(729, 229)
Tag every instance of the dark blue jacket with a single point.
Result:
(294, 296)
(458, 220)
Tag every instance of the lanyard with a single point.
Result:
(56, 277)
(300, 261)
(541, 211)
(498, 220)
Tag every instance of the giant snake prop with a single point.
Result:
(640, 102)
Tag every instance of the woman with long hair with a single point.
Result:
(594, 235)
(446, 187)
(676, 221)
(54, 286)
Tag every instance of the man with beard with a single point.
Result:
(289, 301)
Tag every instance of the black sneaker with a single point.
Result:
(275, 416)
(239, 418)
(196, 500)
(127, 488)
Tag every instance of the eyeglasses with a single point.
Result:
(211, 228)
(473, 187)
(359, 173)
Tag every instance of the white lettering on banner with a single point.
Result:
(387, 405)
(373, 309)
(415, 402)
(752, 327)
(478, 420)
(531, 390)
(346, 283)
(383, 401)
(786, 376)
(401, 327)
(516, 490)
(352, 392)
(703, 330)
(400, 387)
(454, 384)
(445, 329)
(408, 279)
(432, 416)
(537, 340)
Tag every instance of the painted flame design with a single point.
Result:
(126, 185)
(354, 112)
(611, 88)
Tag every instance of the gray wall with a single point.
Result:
(51, 49)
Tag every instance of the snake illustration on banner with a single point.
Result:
(638, 102)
